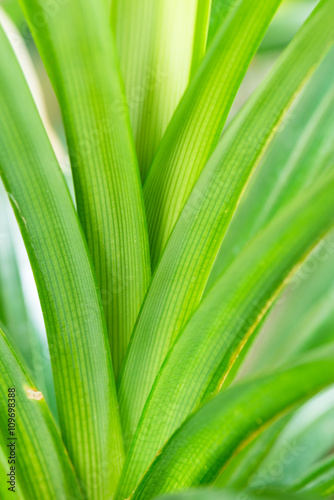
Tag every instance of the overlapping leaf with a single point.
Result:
(304, 312)
(301, 152)
(205, 350)
(81, 362)
(197, 124)
(160, 45)
(207, 440)
(42, 467)
(182, 274)
(75, 41)
(305, 440)
(320, 479)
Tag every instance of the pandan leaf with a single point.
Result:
(75, 41)
(204, 352)
(182, 273)
(28, 433)
(241, 471)
(305, 311)
(198, 122)
(320, 479)
(204, 444)
(80, 356)
(301, 152)
(285, 450)
(160, 45)
(304, 441)
(229, 494)
(220, 9)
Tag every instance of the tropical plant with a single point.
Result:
(187, 289)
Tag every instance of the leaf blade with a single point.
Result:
(160, 45)
(197, 364)
(198, 121)
(219, 428)
(76, 45)
(44, 469)
(301, 151)
(65, 280)
(182, 274)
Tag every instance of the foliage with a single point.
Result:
(184, 356)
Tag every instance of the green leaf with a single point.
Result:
(280, 455)
(198, 122)
(285, 24)
(220, 9)
(305, 440)
(182, 273)
(160, 45)
(240, 470)
(204, 444)
(80, 356)
(302, 151)
(200, 34)
(4, 492)
(82, 65)
(303, 317)
(320, 479)
(204, 352)
(42, 467)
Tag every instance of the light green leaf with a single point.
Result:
(281, 454)
(160, 45)
(76, 44)
(80, 356)
(303, 317)
(204, 444)
(198, 122)
(320, 479)
(305, 440)
(220, 9)
(285, 24)
(42, 467)
(182, 273)
(198, 362)
(13, 312)
(302, 151)
(4, 492)
(16, 318)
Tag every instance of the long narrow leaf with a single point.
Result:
(75, 41)
(80, 355)
(198, 122)
(240, 470)
(182, 274)
(160, 45)
(320, 479)
(309, 435)
(219, 428)
(205, 350)
(303, 317)
(281, 454)
(300, 153)
(41, 464)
